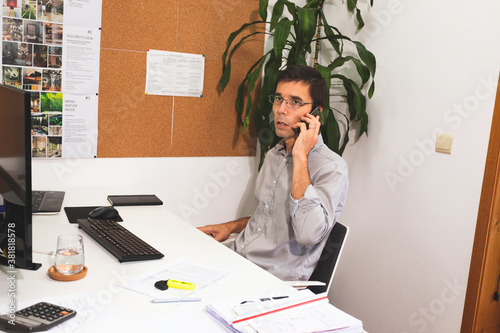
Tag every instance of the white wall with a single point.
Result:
(413, 211)
(199, 190)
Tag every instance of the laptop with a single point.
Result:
(47, 202)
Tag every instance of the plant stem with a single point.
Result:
(318, 35)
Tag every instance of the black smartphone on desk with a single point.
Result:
(134, 200)
(315, 112)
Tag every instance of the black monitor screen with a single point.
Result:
(15, 178)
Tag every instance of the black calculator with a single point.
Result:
(38, 317)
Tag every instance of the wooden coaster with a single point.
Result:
(54, 274)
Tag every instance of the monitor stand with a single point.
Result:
(18, 238)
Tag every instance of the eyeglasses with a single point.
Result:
(291, 103)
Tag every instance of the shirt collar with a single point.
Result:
(281, 148)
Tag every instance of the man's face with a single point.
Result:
(284, 116)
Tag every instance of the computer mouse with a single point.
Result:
(106, 212)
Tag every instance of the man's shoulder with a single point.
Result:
(325, 154)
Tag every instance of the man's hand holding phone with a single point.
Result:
(315, 112)
(308, 130)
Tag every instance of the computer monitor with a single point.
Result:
(15, 179)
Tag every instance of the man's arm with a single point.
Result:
(305, 142)
(315, 212)
(320, 205)
(300, 177)
(222, 231)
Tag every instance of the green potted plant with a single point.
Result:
(349, 71)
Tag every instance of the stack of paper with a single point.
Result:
(298, 312)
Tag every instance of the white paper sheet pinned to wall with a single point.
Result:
(174, 73)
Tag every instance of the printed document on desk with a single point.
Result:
(204, 276)
(301, 312)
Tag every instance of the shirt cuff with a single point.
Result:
(295, 206)
(308, 196)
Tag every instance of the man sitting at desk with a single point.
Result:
(301, 188)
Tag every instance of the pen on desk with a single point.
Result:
(275, 297)
(266, 299)
(176, 300)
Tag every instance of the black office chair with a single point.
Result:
(322, 276)
(327, 263)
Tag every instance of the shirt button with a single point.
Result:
(274, 182)
(266, 206)
(284, 160)
(258, 229)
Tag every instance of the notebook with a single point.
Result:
(47, 202)
(302, 311)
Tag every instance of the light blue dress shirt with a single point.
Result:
(286, 236)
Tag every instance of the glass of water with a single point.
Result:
(69, 257)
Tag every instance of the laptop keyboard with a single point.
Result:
(36, 200)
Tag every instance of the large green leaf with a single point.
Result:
(362, 70)
(281, 36)
(239, 103)
(338, 62)
(361, 23)
(367, 57)
(332, 133)
(326, 73)
(263, 4)
(346, 133)
(226, 64)
(240, 96)
(233, 35)
(252, 78)
(356, 102)
(371, 90)
(226, 75)
(307, 24)
(297, 55)
(246, 120)
(271, 71)
(332, 33)
(351, 4)
(276, 14)
(344, 143)
(301, 58)
(291, 8)
(314, 3)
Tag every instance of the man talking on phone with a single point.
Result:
(301, 188)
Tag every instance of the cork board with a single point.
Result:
(132, 124)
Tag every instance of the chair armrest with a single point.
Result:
(304, 284)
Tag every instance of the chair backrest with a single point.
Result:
(327, 263)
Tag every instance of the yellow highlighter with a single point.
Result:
(165, 284)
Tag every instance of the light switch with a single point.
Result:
(444, 142)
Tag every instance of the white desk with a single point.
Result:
(155, 225)
(125, 308)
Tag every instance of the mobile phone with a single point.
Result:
(315, 112)
(134, 200)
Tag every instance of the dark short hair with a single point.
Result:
(310, 76)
